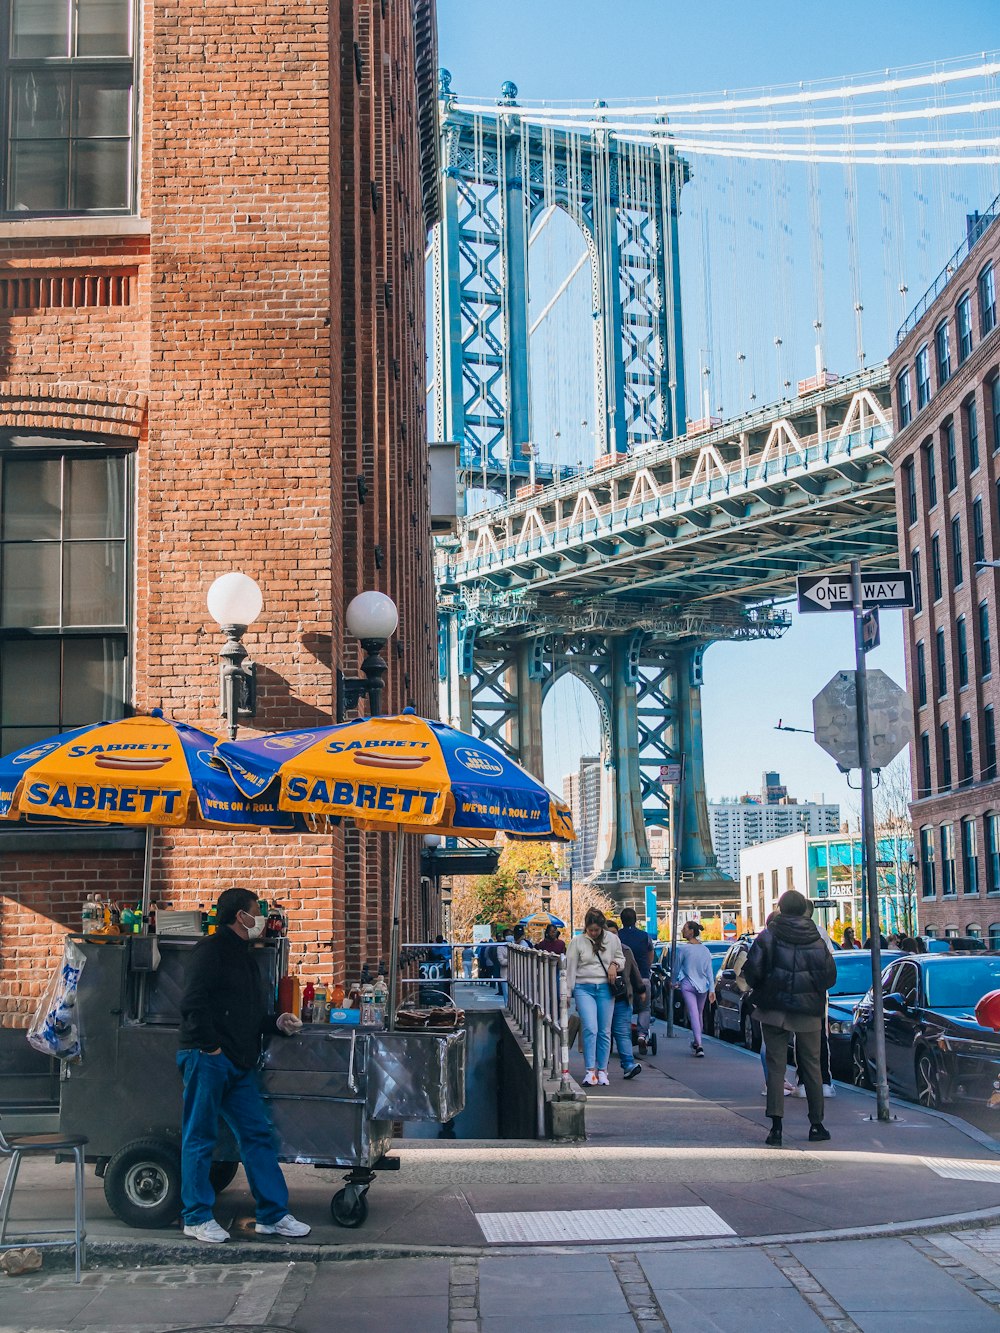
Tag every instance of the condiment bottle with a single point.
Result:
(337, 996)
(319, 1003)
(286, 995)
(308, 998)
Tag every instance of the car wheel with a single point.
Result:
(710, 1027)
(860, 1073)
(750, 1031)
(928, 1081)
(143, 1183)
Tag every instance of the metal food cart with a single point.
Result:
(333, 1092)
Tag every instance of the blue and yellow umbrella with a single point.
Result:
(405, 772)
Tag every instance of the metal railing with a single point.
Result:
(538, 1002)
(974, 233)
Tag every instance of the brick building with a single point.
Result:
(946, 403)
(212, 226)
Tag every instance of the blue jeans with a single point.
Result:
(214, 1086)
(621, 1028)
(596, 1007)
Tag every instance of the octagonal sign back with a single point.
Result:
(835, 719)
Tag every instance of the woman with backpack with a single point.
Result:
(594, 962)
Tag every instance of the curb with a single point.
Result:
(166, 1253)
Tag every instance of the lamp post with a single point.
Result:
(234, 603)
(372, 618)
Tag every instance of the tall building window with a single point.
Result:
(956, 553)
(965, 747)
(924, 776)
(922, 366)
(963, 321)
(987, 301)
(68, 106)
(936, 566)
(962, 639)
(918, 589)
(985, 646)
(910, 488)
(951, 460)
(995, 411)
(904, 406)
(978, 532)
(972, 433)
(63, 595)
(931, 465)
(928, 886)
(947, 860)
(942, 348)
(921, 675)
(970, 857)
(941, 661)
(945, 757)
(992, 823)
(989, 744)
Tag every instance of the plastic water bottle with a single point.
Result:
(368, 1005)
(380, 998)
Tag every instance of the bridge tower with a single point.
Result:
(499, 174)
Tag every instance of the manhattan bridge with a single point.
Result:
(678, 524)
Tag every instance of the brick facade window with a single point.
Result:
(945, 757)
(936, 566)
(965, 750)
(930, 463)
(942, 350)
(989, 743)
(957, 573)
(994, 935)
(68, 104)
(928, 880)
(951, 458)
(987, 301)
(921, 675)
(972, 433)
(910, 489)
(918, 587)
(922, 367)
(962, 638)
(948, 886)
(985, 645)
(941, 662)
(64, 559)
(963, 321)
(992, 856)
(995, 411)
(970, 857)
(904, 404)
(924, 775)
(978, 531)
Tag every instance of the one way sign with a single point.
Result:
(832, 592)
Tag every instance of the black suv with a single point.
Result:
(731, 1017)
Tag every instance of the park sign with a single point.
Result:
(832, 592)
(835, 719)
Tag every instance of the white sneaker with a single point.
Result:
(829, 1090)
(602, 1078)
(800, 1090)
(590, 1079)
(286, 1226)
(210, 1232)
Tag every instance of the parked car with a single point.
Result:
(935, 1051)
(854, 979)
(954, 944)
(730, 1017)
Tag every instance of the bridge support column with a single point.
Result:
(526, 688)
(697, 859)
(623, 843)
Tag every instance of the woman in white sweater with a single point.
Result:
(593, 960)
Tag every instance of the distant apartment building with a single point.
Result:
(945, 373)
(745, 821)
(582, 793)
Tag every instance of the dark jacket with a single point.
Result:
(223, 1004)
(789, 968)
(633, 979)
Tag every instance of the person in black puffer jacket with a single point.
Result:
(789, 970)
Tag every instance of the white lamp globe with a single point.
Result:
(432, 840)
(234, 599)
(371, 615)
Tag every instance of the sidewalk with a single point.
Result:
(679, 1149)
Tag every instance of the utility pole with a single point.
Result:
(868, 837)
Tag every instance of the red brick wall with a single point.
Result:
(277, 329)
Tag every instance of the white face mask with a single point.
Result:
(255, 931)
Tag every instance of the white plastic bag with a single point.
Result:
(55, 1027)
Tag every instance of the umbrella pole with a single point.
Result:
(397, 902)
(147, 878)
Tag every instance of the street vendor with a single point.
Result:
(223, 1017)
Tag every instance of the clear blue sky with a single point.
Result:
(583, 50)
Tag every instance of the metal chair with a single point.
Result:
(45, 1145)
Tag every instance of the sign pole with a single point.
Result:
(675, 908)
(868, 833)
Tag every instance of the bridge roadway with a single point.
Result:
(689, 532)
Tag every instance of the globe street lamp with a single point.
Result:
(371, 617)
(234, 603)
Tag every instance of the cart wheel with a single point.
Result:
(222, 1174)
(143, 1183)
(347, 1213)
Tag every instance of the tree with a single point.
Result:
(893, 826)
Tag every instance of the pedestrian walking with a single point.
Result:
(467, 956)
(849, 942)
(695, 979)
(550, 941)
(503, 962)
(790, 969)
(594, 961)
(621, 1022)
(223, 1017)
(641, 944)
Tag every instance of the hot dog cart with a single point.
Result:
(333, 1092)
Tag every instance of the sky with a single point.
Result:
(583, 49)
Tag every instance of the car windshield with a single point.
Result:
(960, 984)
(854, 974)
